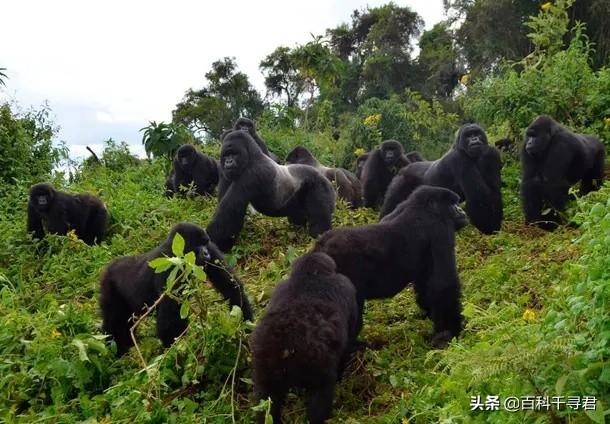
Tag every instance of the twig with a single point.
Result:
(94, 155)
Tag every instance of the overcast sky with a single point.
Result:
(108, 67)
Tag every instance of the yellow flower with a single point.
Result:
(72, 235)
(372, 120)
(55, 333)
(465, 78)
(546, 6)
(529, 314)
(607, 122)
(404, 421)
(359, 151)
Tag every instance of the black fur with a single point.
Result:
(348, 185)
(414, 157)
(471, 169)
(246, 124)
(298, 192)
(360, 164)
(414, 244)
(553, 159)
(505, 145)
(191, 166)
(304, 339)
(129, 284)
(379, 169)
(61, 212)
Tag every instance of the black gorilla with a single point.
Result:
(414, 156)
(304, 339)
(246, 124)
(471, 169)
(379, 169)
(298, 192)
(348, 185)
(505, 145)
(360, 164)
(414, 244)
(129, 284)
(191, 166)
(554, 158)
(61, 212)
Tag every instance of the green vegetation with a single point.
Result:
(537, 304)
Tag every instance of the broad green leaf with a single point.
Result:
(82, 350)
(160, 264)
(199, 273)
(184, 310)
(178, 245)
(171, 280)
(189, 258)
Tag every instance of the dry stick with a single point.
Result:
(94, 155)
(137, 322)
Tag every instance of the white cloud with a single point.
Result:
(109, 67)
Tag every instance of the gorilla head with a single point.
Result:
(471, 139)
(538, 135)
(238, 149)
(42, 197)
(301, 155)
(186, 155)
(391, 152)
(245, 124)
(360, 163)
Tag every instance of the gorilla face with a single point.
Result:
(538, 135)
(391, 151)
(41, 197)
(472, 140)
(244, 124)
(186, 155)
(234, 154)
(442, 202)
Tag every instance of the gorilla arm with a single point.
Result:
(228, 219)
(35, 222)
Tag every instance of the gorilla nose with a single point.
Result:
(183, 161)
(229, 163)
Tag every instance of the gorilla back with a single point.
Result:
(298, 192)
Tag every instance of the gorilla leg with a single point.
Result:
(96, 227)
(297, 218)
(319, 206)
(116, 313)
(422, 300)
(445, 311)
(531, 195)
(319, 403)
(169, 323)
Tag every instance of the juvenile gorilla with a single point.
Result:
(298, 192)
(379, 169)
(61, 212)
(505, 145)
(348, 185)
(246, 124)
(471, 169)
(129, 284)
(360, 164)
(414, 244)
(191, 166)
(304, 339)
(553, 159)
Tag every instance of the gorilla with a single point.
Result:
(304, 339)
(190, 166)
(471, 168)
(129, 284)
(414, 157)
(360, 164)
(553, 159)
(379, 169)
(348, 185)
(298, 192)
(505, 145)
(246, 124)
(59, 212)
(414, 244)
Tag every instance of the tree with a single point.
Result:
(282, 76)
(162, 140)
(227, 96)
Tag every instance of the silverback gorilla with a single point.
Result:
(246, 124)
(348, 185)
(414, 244)
(471, 169)
(129, 284)
(379, 169)
(553, 159)
(191, 166)
(61, 212)
(298, 192)
(305, 337)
